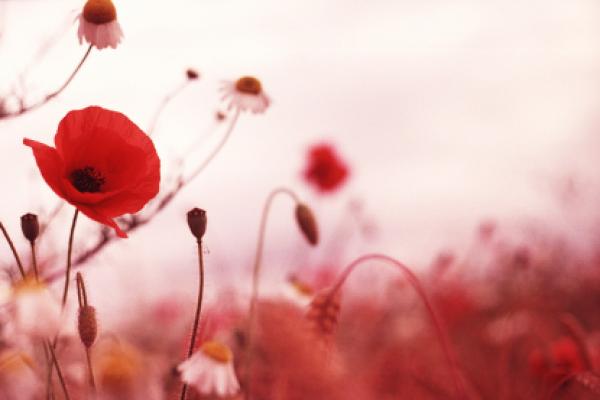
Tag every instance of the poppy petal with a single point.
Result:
(50, 165)
(96, 216)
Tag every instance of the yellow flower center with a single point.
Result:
(15, 362)
(302, 288)
(28, 285)
(118, 370)
(99, 11)
(217, 351)
(248, 85)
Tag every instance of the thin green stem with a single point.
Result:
(12, 248)
(69, 255)
(198, 311)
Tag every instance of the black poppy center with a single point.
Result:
(87, 180)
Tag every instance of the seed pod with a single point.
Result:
(30, 226)
(197, 222)
(87, 325)
(191, 74)
(307, 223)
(323, 313)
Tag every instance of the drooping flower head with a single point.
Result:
(210, 370)
(246, 94)
(98, 24)
(103, 164)
(325, 170)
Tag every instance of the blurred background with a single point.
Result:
(448, 114)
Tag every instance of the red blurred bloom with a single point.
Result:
(325, 170)
(563, 359)
(103, 164)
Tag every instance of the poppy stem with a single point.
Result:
(198, 310)
(34, 261)
(12, 248)
(69, 255)
(256, 273)
(416, 284)
(58, 371)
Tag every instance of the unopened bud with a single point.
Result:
(30, 226)
(192, 74)
(87, 325)
(307, 223)
(197, 222)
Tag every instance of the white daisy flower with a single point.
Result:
(246, 94)
(98, 24)
(36, 312)
(210, 370)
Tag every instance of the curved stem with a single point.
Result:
(69, 255)
(257, 267)
(34, 261)
(415, 283)
(81, 292)
(70, 78)
(198, 311)
(217, 149)
(163, 104)
(12, 248)
(58, 371)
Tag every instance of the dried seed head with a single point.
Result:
(248, 85)
(30, 226)
(87, 325)
(323, 312)
(191, 74)
(197, 222)
(307, 223)
(99, 11)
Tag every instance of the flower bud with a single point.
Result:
(197, 222)
(30, 226)
(87, 325)
(192, 74)
(307, 223)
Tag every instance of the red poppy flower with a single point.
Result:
(103, 164)
(325, 170)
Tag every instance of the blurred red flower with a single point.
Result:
(325, 170)
(103, 164)
(563, 359)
